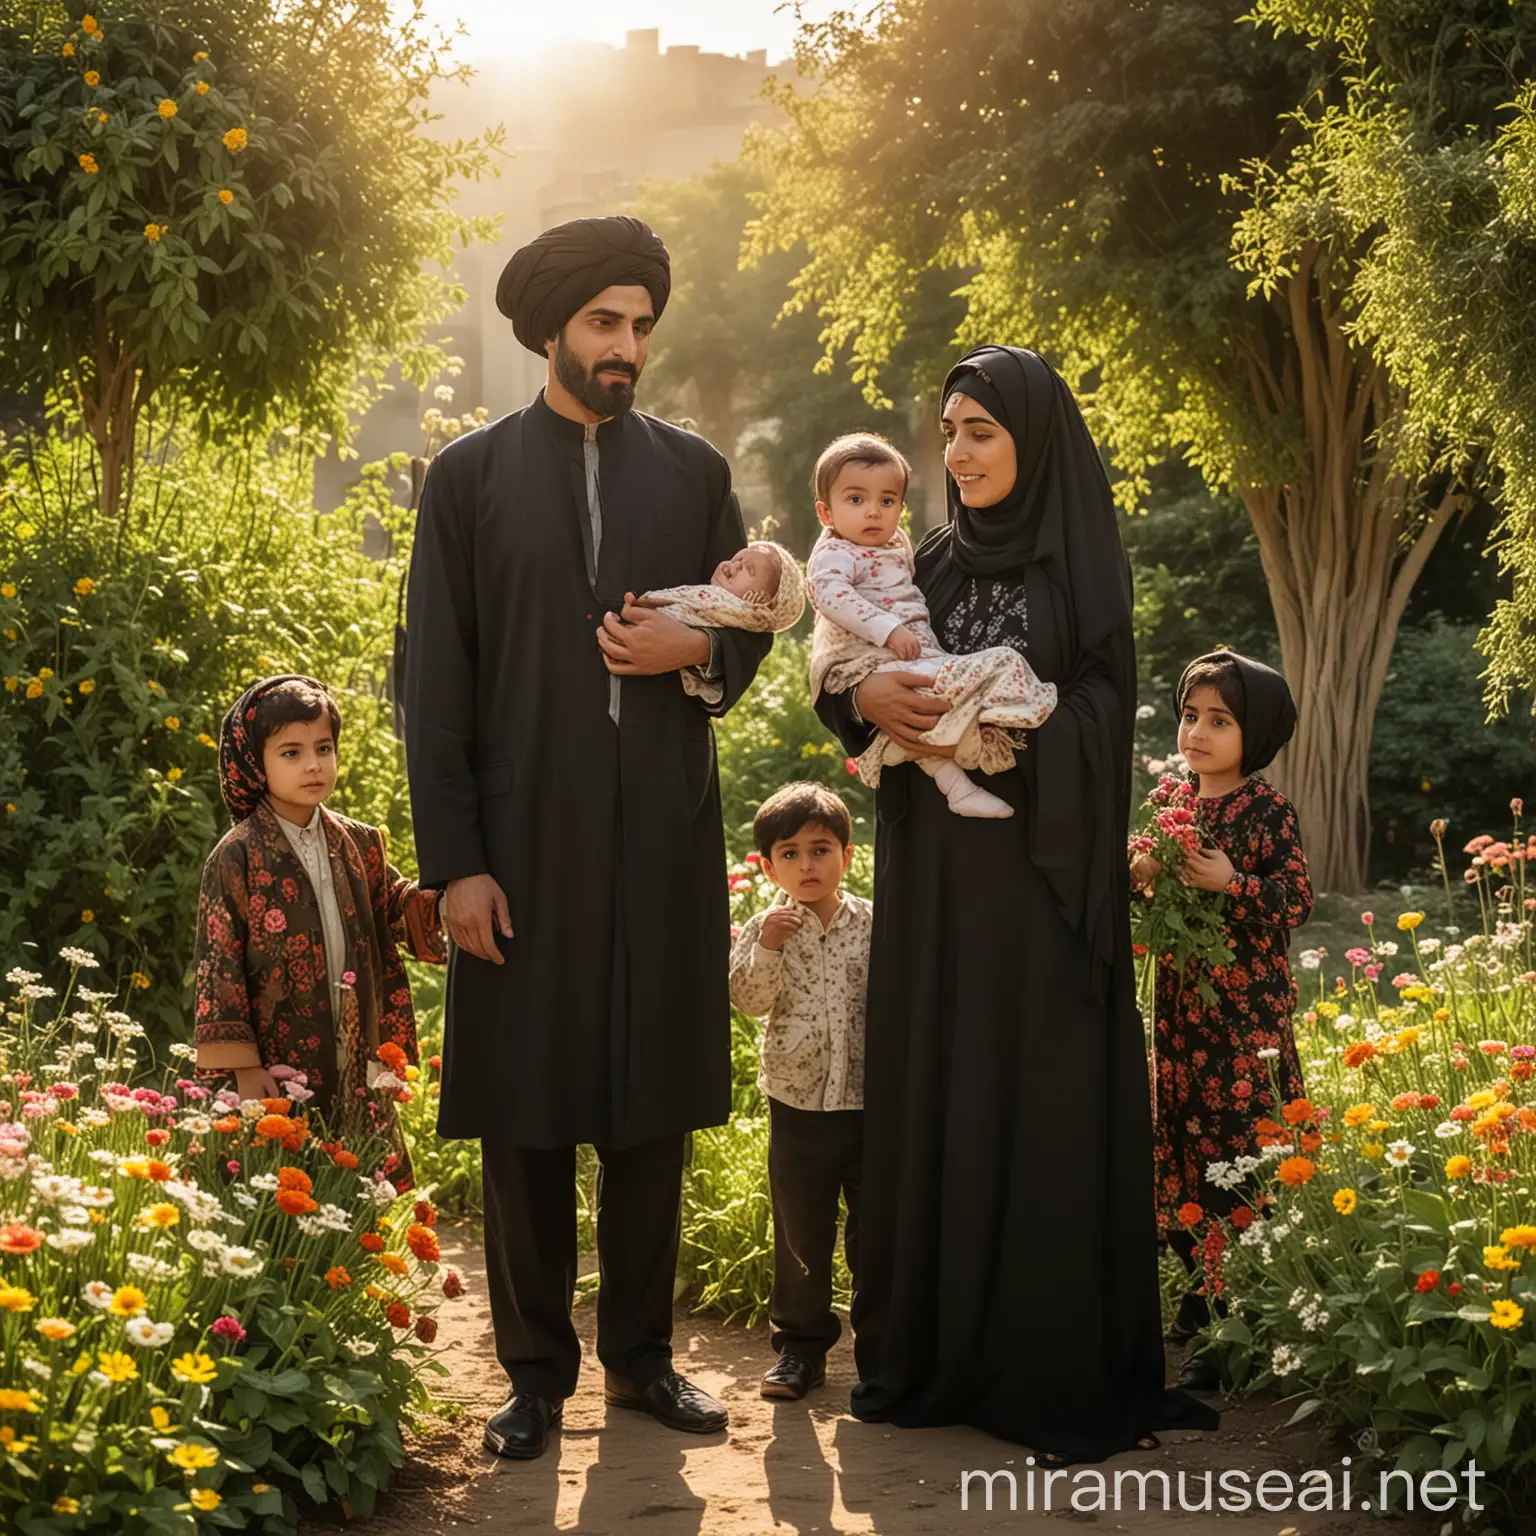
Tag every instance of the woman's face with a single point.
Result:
(978, 451)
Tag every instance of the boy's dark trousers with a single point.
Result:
(530, 1260)
(813, 1155)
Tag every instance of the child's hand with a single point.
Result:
(256, 1083)
(778, 926)
(1144, 870)
(905, 644)
(1207, 869)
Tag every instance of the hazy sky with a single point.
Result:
(717, 26)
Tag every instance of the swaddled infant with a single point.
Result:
(760, 587)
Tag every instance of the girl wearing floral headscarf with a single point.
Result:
(298, 968)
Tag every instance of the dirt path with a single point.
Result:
(807, 1469)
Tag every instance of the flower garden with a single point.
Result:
(208, 1312)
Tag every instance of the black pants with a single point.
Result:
(530, 1259)
(813, 1155)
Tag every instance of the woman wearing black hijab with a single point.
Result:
(1008, 1264)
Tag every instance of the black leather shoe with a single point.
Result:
(1200, 1374)
(671, 1399)
(519, 1429)
(793, 1376)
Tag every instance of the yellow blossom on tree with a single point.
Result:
(205, 1498)
(167, 108)
(45, 672)
(116, 1366)
(35, 689)
(197, 1368)
(90, 26)
(193, 1458)
(8, 590)
(69, 50)
(87, 916)
(1506, 1314)
(25, 530)
(173, 774)
(139, 979)
(88, 164)
(87, 686)
(64, 1505)
(235, 140)
(206, 739)
(199, 56)
(101, 117)
(152, 232)
(173, 722)
(85, 586)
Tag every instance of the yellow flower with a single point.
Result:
(163, 1215)
(1378, 1125)
(167, 110)
(1371, 1150)
(13, 1298)
(101, 117)
(117, 1367)
(64, 1505)
(90, 26)
(25, 530)
(92, 77)
(1358, 1114)
(202, 87)
(1507, 1314)
(198, 1368)
(173, 774)
(199, 56)
(35, 688)
(14, 1401)
(45, 672)
(8, 590)
(193, 1458)
(139, 979)
(152, 232)
(1495, 1257)
(87, 916)
(1344, 1201)
(128, 1301)
(206, 739)
(226, 196)
(87, 685)
(235, 140)
(13, 1444)
(1523, 1236)
(260, 1487)
(205, 1498)
(1408, 921)
(173, 722)
(159, 1417)
(85, 586)
(55, 1329)
(1483, 1100)
(68, 50)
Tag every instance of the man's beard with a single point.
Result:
(602, 399)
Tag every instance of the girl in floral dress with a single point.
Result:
(297, 963)
(1215, 1068)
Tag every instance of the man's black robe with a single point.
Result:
(609, 1022)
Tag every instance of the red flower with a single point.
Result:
(274, 921)
(1428, 1281)
(399, 1314)
(426, 1329)
(1190, 1214)
(156, 1138)
(422, 1241)
(435, 1062)
(372, 1242)
(16, 1238)
(1242, 1217)
(425, 1214)
(850, 764)
(1454, 1288)
(453, 1285)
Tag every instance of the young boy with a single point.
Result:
(297, 962)
(802, 966)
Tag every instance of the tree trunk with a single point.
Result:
(1342, 546)
(111, 404)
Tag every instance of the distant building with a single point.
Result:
(586, 124)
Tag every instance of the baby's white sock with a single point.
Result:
(966, 798)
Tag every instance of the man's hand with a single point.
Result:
(1207, 869)
(900, 704)
(639, 642)
(778, 926)
(474, 910)
(256, 1083)
(904, 643)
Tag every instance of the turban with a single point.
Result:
(550, 278)
(242, 768)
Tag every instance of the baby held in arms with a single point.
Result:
(871, 617)
(760, 587)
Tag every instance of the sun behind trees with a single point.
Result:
(1089, 172)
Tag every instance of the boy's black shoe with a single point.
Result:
(1193, 1315)
(792, 1376)
(672, 1400)
(519, 1429)
(1200, 1373)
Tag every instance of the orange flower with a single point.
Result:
(1190, 1214)
(393, 1263)
(1297, 1112)
(294, 1202)
(298, 1134)
(422, 1241)
(227, 1124)
(337, 1277)
(1310, 1141)
(372, 1242)
(1269, 1134)
(295, 1178)
(277, 1106)
(1358, 1052)
(393, 1058)
(344, 1159)
(425, 1214)
(1296, 1171)
(273, 1127)
(16, 1238)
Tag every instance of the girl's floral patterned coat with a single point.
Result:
(261, 971)
(1210, 1083)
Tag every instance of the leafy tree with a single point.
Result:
(227, 210)
(1088, 165)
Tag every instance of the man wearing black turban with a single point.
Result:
(575, 827)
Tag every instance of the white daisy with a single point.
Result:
(1399, 1152)
(97, 1294)
(71, 1239)
(147, 1334)
(1284, 1360)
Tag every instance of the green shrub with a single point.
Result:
(121, 651)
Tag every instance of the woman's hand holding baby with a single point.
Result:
(778, 926)
(1207, 869)
(904, 643)
(900, 704)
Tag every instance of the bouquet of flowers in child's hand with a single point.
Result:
(1171, 920)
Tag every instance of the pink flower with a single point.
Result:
(850, 764)
(1373, 973)
(274, 921)
(1367, 918)
(228, 1328)
(754, 857)
(348, 978)
(1405, 979)
(1358, 956)
(233, 1166)
(64, 1091)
